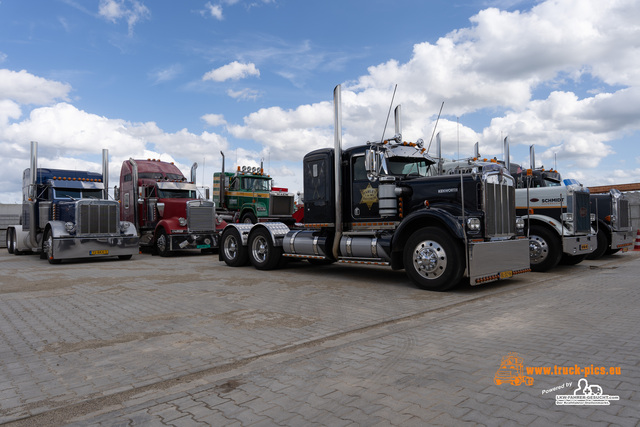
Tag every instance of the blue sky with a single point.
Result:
(182, 81)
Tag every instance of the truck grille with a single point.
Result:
(623, 213)
(500, 209)
(581, 212)
(97, 217)
(280, 204)
(201, 216)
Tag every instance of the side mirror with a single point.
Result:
(116, 192)
(372, 162)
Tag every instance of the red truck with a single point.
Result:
(164, 206)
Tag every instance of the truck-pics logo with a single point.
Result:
(512, 371)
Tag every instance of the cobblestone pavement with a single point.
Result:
(187, 341)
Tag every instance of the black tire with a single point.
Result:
(47, 247)
(9, 240)
(432, 260)
(162, 244)
(249, 218)
(124, 257)
(263, 254)
(544, 248)
(231, 250)
(603, 245)
(572, 259)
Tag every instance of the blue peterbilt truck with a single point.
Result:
(66, 214)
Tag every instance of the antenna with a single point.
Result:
(458, 134)
(555, 161)
(389, 113)
(435, 127)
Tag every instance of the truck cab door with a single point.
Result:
(363, 194)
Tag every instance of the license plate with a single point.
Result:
(506, 274)
(100, 252)
(584, 247)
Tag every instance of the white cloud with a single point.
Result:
(8, 110)
(165, 74)
(132, 11)
(244, 94)
(232, 71)
(25, 88)
(3, 57)
(214, 119)
(214, 10)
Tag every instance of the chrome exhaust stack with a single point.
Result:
(337, 165)
(439, 154)
(398, 120)
(194, 167)
(507, 161)
(105, 172)
(476, 150)
(223, 182)
(32, 193)
(532, 156)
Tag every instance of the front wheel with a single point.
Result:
(544, 249)
(47, 247)
(572, 259)
(233, 253)
(263, 254)
(249, 218)
(162, 242)
(603, 245)
(433, 260)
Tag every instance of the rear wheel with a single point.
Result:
(162, 242)
(544, 249)
(263, 254)
(249, 218)
(603, 245)
(432, 260)
(47, 247)
(231, 249)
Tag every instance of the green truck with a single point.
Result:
(247, 196)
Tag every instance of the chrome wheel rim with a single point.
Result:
(49, 245)
(260, 249)
(230, 247)
(161, 243)
(538, 249)
(429, 259)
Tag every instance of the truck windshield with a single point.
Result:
(404, 166)
(551, 183)
(177, 194)
(257, 184)
(75, 193)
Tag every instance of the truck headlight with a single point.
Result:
(567, 216)
(473, 224)
(70, 227)
(124, 226)
(182, 221)
(519, 223)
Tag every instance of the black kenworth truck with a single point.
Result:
(379, 204)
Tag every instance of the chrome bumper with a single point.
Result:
(622, 239)
(491, 261)
(579, 245)
(94, 247)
